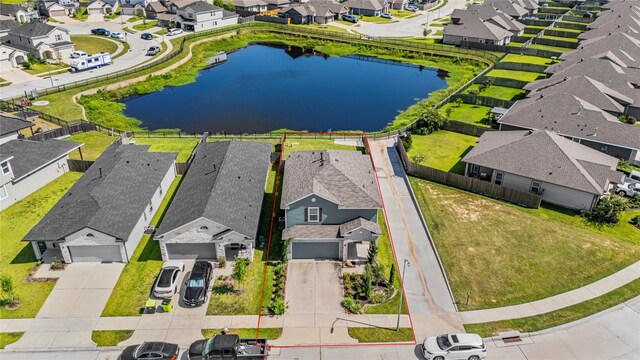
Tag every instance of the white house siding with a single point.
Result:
(23, 188)
(554, 194)
(80, 238)
(455, 40)
(8, 137)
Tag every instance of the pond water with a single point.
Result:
(262, 88)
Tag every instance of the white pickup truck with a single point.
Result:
(628, 189)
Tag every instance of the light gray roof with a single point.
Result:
(8, 24)
(476, 28)
(622, 46)
(11, 9)
(311, 232)
(29, 155)
(225, 183)
(11, 124)
(512, 9)
(248, 3)
(544, 156)
(609, 17)
(157, 6)
(569, 115)
(605, 71)
(317, 7)
(486, 12)
(365, 4)
(343, 177)
(360, 223)
(111, 203)
(201, 6)
(34, 29)
(630, 28)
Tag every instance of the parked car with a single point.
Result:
(167, 282)
(117, 35)
(78, 54)
(198, 284)
(151, 350)
(454, 346)
(229, 346)
(350, 18)
(634, 177)
(100, 31)
(412, 8)
(628, 189)
(146, 36)
(174, 31)
(387, 16)
(153, 50)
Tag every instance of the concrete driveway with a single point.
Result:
(313, 287)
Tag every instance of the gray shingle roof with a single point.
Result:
(360, 223)
(8, 24)
(201, 6)
(486, 12)
(569, 115)
(10, 124)
(513, 9)
(605, 71)
(476, 28)
(31, 155)
(622, 46)
(544, 156)
(365, 4)
(11, 9)
(340, 176)
(225, 183)
(32, 30)
(111, 203)
(311, 232)
(248, 3)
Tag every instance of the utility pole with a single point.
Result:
(404, 266)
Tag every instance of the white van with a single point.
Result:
(91, 61)
(634, 177)
(78, 54)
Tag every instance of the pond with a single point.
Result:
(262, 88)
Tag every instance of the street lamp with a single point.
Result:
(404, 266)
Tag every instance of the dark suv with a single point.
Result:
(195, 293)
(101, 31)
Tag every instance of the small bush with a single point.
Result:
(631, 120)
(634, 202)
(608, 210)
(278, 306)
(351, 305)
(635, 221)
(222, 263)
(407, 141)
(378, 298)
(57, 265)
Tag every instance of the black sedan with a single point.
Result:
(101, 31)
(151, 350)
(146, 36)
(196, 291)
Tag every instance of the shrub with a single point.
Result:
(634, 202)
(378, 298)
(351, 305)
(284, 255)
(428, 120)
(278, 306)
(631, 120)
(407, 141)
(608, 210)
(26, 65)
(8, 290)
(458, 102)
(222, 263)
(418, 158)
(367, 282)
(474, 92)
(635, 221)
(392, 273)
(240, 269)
(372, 255)
(57, 265)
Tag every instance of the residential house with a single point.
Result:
(473, 29)
(10, 127)
(631, 28)
(20, 13)
(331, 203)
(618, 47)
(56, 8)
(104, 214)
(103, 7)
(216, 211)
(277, 4)
(367, 7)
(6, 26)
(27, 165)
(199, 15)
(314, 11)
(490, 14)
(135, 7)
(511, 8)
(577, 120)
(398, 4)
(603, 70)
(530, 5)
(156, 10)
(249, 7)
(42, 40)
(562, 171)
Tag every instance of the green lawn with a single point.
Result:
(135, 282)
(142, 26)
(526, 59)
(568, 30)
(95, 143)
(323, 27)
(378, 335)
(82, 14)
(37, 68)
(161, 32)
(516, 44)
(442, 149)
(559, 38)
(559, 317)
(110, 337)
(9, 338)
(376, 19)
(297, 144)
(401, 13)
(550, 48)
(94, 44)
(183, 146)
(499, 92)
(266, 333)
(467, 113)
(508, 255)
(17, 257)
(516, 75)
(575, 23)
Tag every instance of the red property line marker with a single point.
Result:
(384, 211)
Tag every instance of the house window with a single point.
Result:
(475, 169)
(58, 37)
(535, 187)
(204, 228)
(313, 214)
(6, 168)
(3, 192)
(90, 235)
(498, 180)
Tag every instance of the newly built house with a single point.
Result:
(331, 203)
(41, 40)
(216, 211)
(104, 214)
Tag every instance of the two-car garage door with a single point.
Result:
(315, 250)
(95, 253)
(191, 251)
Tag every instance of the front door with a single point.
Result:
(42, 246)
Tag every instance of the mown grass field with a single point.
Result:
(94, 44)
(267, 333)
(507, 255)
(526, 59)
(516, 75)
(95, 143)
(442, 150)
(9, 338)
(499, 92)
(467, 113)
(375, 335)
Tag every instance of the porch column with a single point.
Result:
(36, 249)
(345, 251)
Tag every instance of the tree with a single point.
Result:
(373, 253)
(230, 6)
(367, 281)
(428, 120)
(447, 113)
(608, 210)
(392, 273)
(240, 269)
(8, 290)
(418, 158)
(218, 3)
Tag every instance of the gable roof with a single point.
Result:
(476, 28)
(34, 29)
(603, 70)
(248, 3)
(340, 176)
(569, 115)
(488, 12)
(200, 7)
(29, 156)
(316, 7)
(8, 24)
(11, 9)
(624, 47)
(544, 156)
(365, 4)
(360, 223)
(512, 9)
(11, 124)
(102, 3)
(225, 183)
(110, 196)
(156, 6)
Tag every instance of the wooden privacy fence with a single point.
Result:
(467, 183)
(464, 128)
(63, 131)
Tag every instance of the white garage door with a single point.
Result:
(191, 251)
(315, 250)
(101, 253)
(94, 11)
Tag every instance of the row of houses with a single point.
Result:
(330, 200)
(564, 140)
(41, 40)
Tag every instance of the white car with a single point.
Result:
(78, 54)
(387, 16)
(412, 8)
(174, 31)
(167, 282)
(628, 189)
(454, 346)
(117, 35)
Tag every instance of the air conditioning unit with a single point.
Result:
(149, 229)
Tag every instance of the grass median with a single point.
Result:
(380, 335)
(247, 333)
(110, 337)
